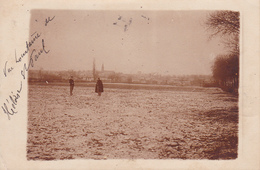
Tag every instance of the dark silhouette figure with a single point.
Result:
(71, 81)
(99, 87)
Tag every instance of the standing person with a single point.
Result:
(99, 87)
(71, 81)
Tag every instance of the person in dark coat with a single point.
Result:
(99, 87)
(71, 81)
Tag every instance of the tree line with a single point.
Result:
(225, 69)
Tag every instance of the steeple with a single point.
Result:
(94, 69)
(102, 69)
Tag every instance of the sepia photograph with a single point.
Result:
(133, 84)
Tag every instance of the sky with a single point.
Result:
(159, 42)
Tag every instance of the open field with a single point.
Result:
(136, 123)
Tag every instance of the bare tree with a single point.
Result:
(225, 24)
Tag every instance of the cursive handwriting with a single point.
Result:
(31, 60)
(28, 45)
(124, 21)
(47, 20)
(9, 107)
(8, 69)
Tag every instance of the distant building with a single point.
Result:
(102, 69)
(104, 75)
(94, 70)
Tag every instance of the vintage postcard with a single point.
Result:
(129, 85)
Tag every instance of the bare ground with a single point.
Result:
(131, 124)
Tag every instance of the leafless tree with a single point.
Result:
(225, 24)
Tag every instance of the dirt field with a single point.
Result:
(198, 123)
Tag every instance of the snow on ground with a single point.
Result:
(131, 124)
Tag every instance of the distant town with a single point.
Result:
(109, 76)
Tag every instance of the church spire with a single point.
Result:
(94, 69)
(102, 69)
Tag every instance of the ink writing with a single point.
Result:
(36, 55)
(8, 69)
(28, 45)
(9, 107)
(47, 20)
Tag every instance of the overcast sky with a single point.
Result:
(163, 42)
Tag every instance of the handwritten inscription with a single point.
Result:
(47, 20)
(147, 18)
(126, 23)
(7, 69)
(31, 60)
(9, 107)
(28, 45)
